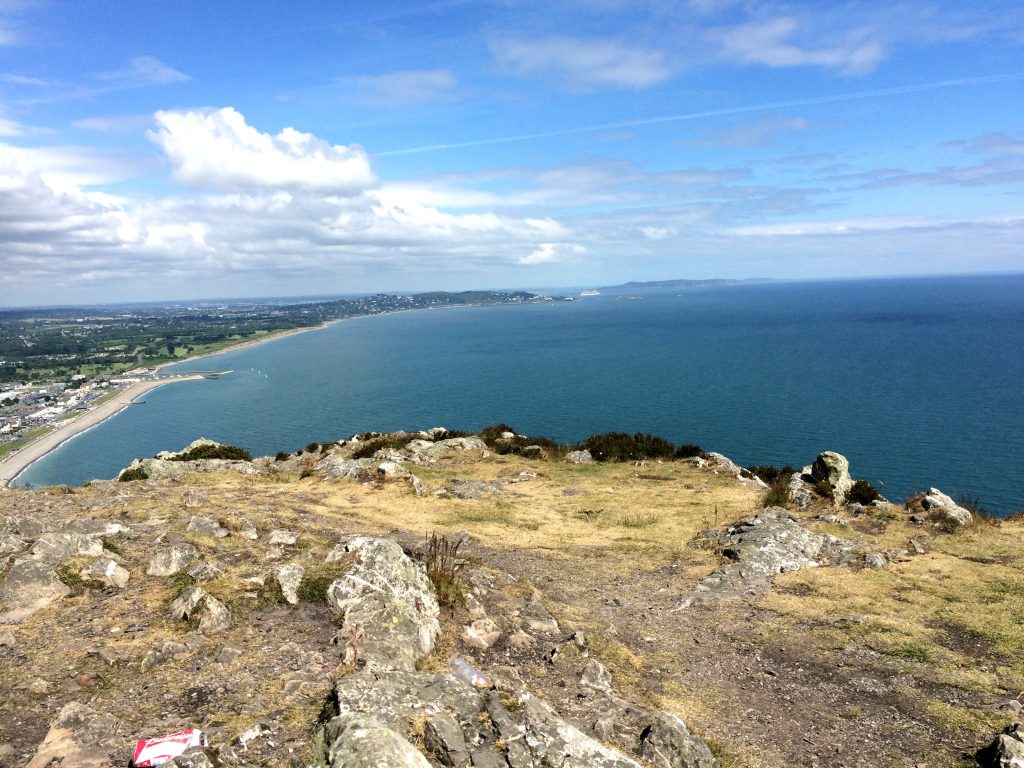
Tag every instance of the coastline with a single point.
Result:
(16, 463)
(22, 459)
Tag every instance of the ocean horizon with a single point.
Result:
(916, 380)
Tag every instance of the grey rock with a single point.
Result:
(471, 489)
(248, 530)
(185, 604)
(106, 571)
(339, 468)
(943, 510)
(196, 757)
(11, 544)
(798, 491)
(595, 676)
(875, 560)
(30, 586)
(289, 577)
(215, 616)
(387, 604)
(283, 538)
(56, 547)
(667, 743)
(228, 654)
(442, 737)
(418, 486)
(79, 736)
(1007, 750)
(554, 742)
(481, 634)
(579, 457)
(362, 741)
(537, 617)
(390, 470)
(207, 570)
(207, 525)
(171, 560)
(718, 463)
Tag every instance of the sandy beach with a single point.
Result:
(19, 461)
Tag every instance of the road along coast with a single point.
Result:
(20, 460)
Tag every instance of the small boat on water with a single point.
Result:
(590, 293)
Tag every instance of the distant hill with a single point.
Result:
(667, 285)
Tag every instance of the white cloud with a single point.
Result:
(584, 63)
(217, 148)
(547, 253)
(144, 70)
(408, 87)
(770, 42)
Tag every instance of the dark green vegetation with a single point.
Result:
(135, 473)
(864, 493)
(57, 342)
(230, 452)
(609, 446)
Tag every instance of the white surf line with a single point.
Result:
(812, 101)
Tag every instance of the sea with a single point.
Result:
(919, 382)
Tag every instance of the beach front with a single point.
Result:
(20, 460)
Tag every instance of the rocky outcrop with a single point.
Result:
(833, 468)
(763, 546)
(170, 561)
(361, 741)
(667, 743)
(718, 463)
(943, 510)
(1006, 751)
(81, 737)
(386, 604)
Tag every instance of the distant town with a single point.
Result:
(58, 362)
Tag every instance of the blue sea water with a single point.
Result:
(918, 382)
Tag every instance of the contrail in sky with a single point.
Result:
(838, 97)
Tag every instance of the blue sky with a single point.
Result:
(155, 150)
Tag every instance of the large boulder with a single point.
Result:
(833, 468)
(30, 586)
(386, 603)
(339, 468)
(944, 511)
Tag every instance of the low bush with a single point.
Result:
(824, 489)
(771, 474)
(374, 444)
(864, 493)
(134, 473)
(689, 451)
(229, 452)
(619, 446)
(282, 456)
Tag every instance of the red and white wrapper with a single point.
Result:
(163, 749)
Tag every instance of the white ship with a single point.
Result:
(590, 293)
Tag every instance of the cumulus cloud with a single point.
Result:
(583, 63)
(142, 71)
(408, 87)
(770, 42)
(547, 253)
(217, 148)
(298, 213)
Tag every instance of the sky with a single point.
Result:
(153, 150)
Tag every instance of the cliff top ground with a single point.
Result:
(914, 663)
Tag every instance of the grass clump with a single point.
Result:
(133, 473)
(620, 446)
(777, 494)
(317, 580)
(229, 452)
(444, 569)
(912, 651)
